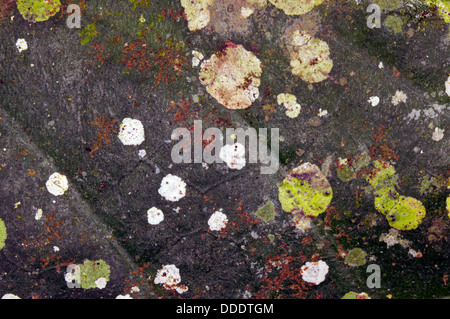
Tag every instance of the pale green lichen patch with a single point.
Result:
(38, 10)
(94, 272)
(3, 234)
(407, 214)
(355, 295)
(295, 7)
(394, 23)
(311, 61)
(389, 5)
(305, 190)
(356, 257)
(267, 212)
(232, 76)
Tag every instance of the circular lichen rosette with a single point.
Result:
(232, 76)
(295, 7)
(38, 10)
(305, 190)
(407, 214)
(311, 61)
(2, 234)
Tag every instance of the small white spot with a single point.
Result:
(38, 215)
(10, 296)
(438, 134)
(169, 277)
(21, 45)
(142, 153)
(246, 12)
(322, 113)
(381, 65)
(127, 296)
(131, 132)
(197, 57)
(217, 221)
(101, 283)
(447, 86)
(233, 155)
(135, 289)
(399, 97)
(172, 188)
(154, 216)
(314, 272)
(57, 184)
(374, 100)
(55, 249)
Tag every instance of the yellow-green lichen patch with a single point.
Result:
(232, 76)
(394, 23)
(295, 7)
(383, 176)
(38, 10)
(94, 274)
(311, 61)
(443, 8)
(197, 13)
(448, 206)
(389, 5)
(355, 295)
(305, 190)
(3, 234)
(407, 214)
(386, 199)
(356, 257)
(267, 212)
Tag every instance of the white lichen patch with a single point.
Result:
(232, 76)
(374, 100)
(10, 296)
(57, 184)
(169, 277)
(311, 61)
(131, 132)
(21, 45)
(233, 155)
(399, 97)
(302, 222)
(101, 282)
(295, 7)
(217, 221)
(314, 272)
(172, 188)
(438, 134)
(247, 11)
(289, 102)
(127, 296)
(197, 57)
(155, 216)
(197, 13)
(447, 86)
(38, 215)
(322, 113)
(142, 153)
